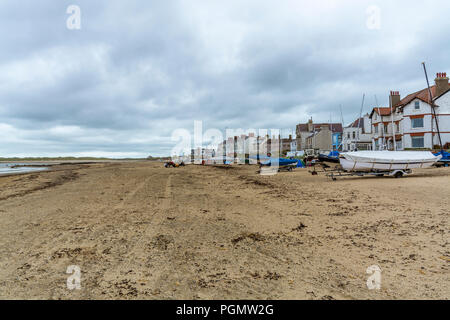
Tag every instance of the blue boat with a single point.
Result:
(333, 156)
(283, 162)
(445, 160)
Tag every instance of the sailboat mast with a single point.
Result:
(381, 117)
(359, 119)
(433, 107)
(392, 122)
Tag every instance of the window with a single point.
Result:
(376, 129)
(417, 142)
(385, 129)
(354, 135)
(417, 105)
(417, 123)
(397, 127)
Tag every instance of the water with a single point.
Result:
(6, 168)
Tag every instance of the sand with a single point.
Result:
(140, 231)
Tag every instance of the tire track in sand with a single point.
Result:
(140, 186)
(137, 257)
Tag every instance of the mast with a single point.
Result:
(433, 107)
(392, 122)
(342, 125)
(359, 119)
(381, 117)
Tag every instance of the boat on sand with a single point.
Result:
(332, 156)
(386, 160)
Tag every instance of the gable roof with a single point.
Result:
(421, 95)
(357, 123)
(435, 98)
(382, 111)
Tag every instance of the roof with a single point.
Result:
(421, 95)
(357, 123)
(435, 98)
(335, 127)
(382, 111)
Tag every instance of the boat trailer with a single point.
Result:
(337, 171)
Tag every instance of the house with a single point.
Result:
(412, 121)
(320, 139)
(293, 147)
(358, 135)
(442, 103)
(308, 130)
(419, 123)
(386, 125)
(285, 145)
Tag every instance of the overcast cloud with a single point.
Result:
(138, 70)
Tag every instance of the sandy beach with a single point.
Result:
(140, 231)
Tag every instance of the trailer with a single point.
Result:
(338, 171)
(398, 173)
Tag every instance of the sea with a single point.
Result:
(8, 168)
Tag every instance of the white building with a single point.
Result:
(293, 145)
(387, 125)
(358, 135)
(413, 119)
(442, 103)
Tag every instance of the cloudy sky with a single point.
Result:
(138, 70)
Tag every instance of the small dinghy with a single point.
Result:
(279, 162)
(333, 156)
(387, 160)
(445, 158)
(274, 165)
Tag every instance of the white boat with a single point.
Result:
(366, 161)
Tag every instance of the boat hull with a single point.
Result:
(382, 161)
(325, 158)
(352, 165)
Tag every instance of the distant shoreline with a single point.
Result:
(14, 159)
(65, 159)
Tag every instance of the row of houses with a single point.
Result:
(407, 123)
(244, 145)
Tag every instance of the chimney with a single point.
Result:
(394, 98)
(310, 125)
(441, 83)
(290, 137)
